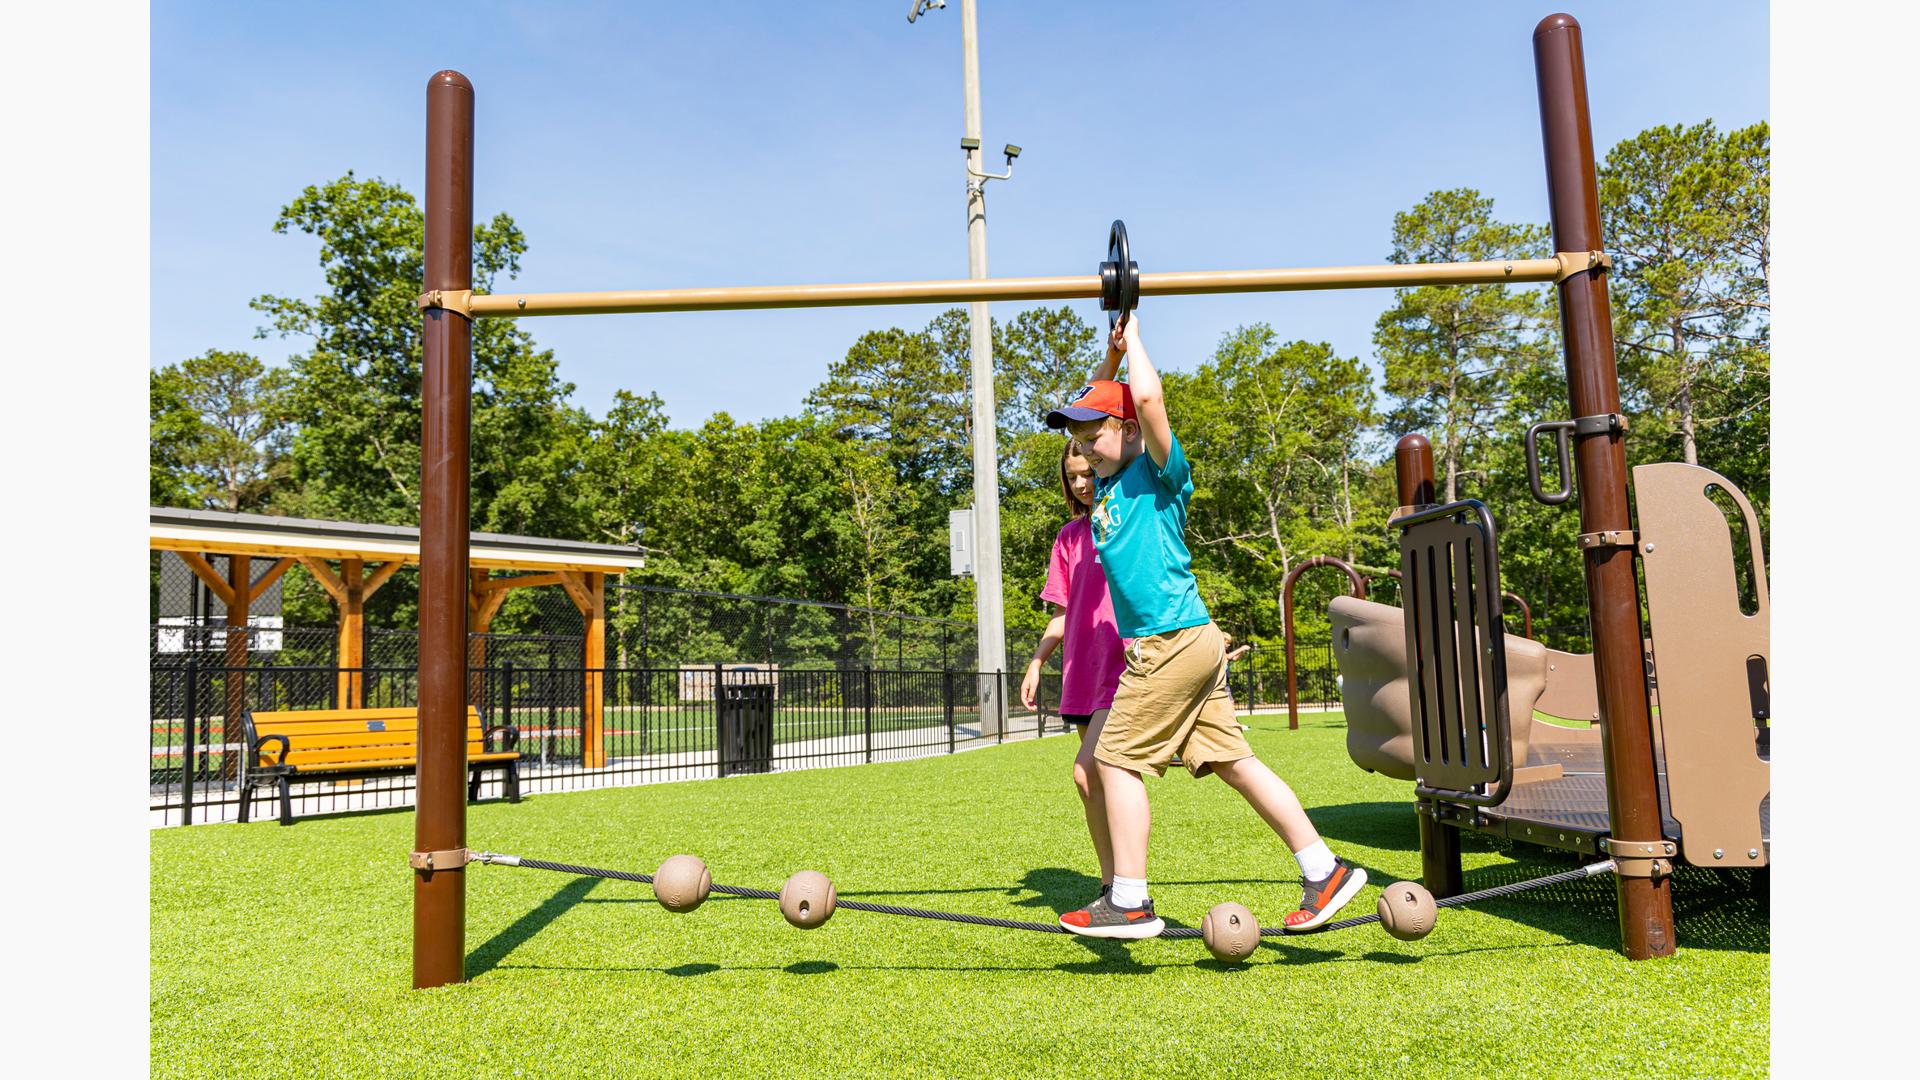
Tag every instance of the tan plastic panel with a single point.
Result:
(1571, 692)
(1702, 644)
(1370, 647)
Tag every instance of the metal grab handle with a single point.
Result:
(1561, 430)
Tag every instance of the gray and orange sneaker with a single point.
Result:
(1325, 898)
(1103, 920)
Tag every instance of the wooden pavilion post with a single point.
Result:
(593, 717)
(350, 590)
(239, 600)
(352, 649)
(588, 591)
(236, 592)
(482, 605)
(1600, 464)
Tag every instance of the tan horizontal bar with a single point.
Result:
(1035, 288)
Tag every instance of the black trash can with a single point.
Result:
(745, 718)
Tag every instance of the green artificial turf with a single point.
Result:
(285, 951)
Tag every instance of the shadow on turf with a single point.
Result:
(1720, 910)
(1113, 961)
(1383, 826)
(499, 946)
(1725, 910)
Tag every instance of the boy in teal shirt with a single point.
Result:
(1173, 698)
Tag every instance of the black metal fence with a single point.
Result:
(654, 724)
(1259, 677)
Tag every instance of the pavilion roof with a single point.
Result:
(217, 532)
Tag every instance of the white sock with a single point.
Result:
(1316, 860)
(1129, 892)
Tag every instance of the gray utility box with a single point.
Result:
(744, 714)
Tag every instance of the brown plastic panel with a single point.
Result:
(1716, 778)
(1370, 648)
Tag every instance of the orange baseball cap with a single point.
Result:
(1095, 401)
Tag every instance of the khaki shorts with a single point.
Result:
(1173, 700)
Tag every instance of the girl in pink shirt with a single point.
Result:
(1095, 653)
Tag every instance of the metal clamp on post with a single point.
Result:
(1577, 262)
(459, 301)
(1622, 538)
(430, 861)
(1445, 812)
(1640, 858)
(1599, 424)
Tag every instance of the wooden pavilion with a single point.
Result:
(351, 561)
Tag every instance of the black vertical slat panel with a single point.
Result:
(1443, 669)
(1415, 623)
(1473, 753)
(1456, 652)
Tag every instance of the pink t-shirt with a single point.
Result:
(1092, 656)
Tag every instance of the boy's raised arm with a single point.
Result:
(1110, 365)
(1149, 407)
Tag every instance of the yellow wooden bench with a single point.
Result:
(347, 744)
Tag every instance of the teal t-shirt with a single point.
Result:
(1140, 528)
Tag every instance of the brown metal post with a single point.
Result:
(1359, 589)
(1413, 469)
(1600, 466)
(446, 339)
(1526, 614)
(1439, 844)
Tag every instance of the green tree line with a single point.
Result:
(847, 499)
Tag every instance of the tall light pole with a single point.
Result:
(990, 622)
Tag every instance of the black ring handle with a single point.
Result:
(1561, 430)
(1119, 277)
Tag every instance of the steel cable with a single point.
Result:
(1587, 871)
(1038, 927)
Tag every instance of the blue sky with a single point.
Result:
(663, 145)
